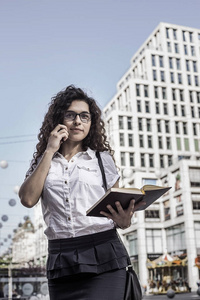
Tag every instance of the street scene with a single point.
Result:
(118, 79)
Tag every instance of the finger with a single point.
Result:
(119, 207)
(112, 210)
(58, 127)
(106, 214)
(131, 206)
(139, 204)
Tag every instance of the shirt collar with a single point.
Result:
(89, 152)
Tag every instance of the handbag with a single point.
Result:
(132, 289)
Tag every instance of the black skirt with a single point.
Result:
(95, 254)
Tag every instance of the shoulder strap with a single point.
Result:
(102, 170)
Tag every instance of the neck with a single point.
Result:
(68, 150)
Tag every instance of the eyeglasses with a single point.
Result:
(71, 116)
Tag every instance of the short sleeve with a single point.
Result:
(110, 169)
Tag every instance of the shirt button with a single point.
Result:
(69, 219)
(65, 181)
(67, 200)
(66, 168)
(72, 160)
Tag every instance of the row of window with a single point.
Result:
(176, 109)
(187, 36)
(190, 64)
(175, 239)
(187, 50)
(176, 78)
(147, 160)
(158, 90)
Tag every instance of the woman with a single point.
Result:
(86, 258)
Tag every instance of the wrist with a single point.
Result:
(121, 227)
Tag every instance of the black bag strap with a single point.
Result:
(102, 170)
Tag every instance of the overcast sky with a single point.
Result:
(49, 44)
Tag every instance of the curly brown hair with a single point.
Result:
(96, 138)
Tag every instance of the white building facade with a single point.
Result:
(153, 124)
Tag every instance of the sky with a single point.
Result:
(47, 45)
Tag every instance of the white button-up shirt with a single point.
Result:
(70, 189)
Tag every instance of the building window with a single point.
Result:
(142, 160)
(161, 61)
(157, 108)
(148, 124)
(167, 33)
(194, 129)
(178, 143)
(152, 214)
(146, 93)
(133, 246)
(178, 64)
(160, 144)
(184, 128)
(130, 140)
(176, 48)
(183, 110)
(175, 110)
(186, 144)
(139, 109)
(121, 139)
(173, 94)
(156, 92)
(192, 112)
(187, 63)
(131, 159)
(149, 140)
(189, 79)
(164, 94)
(196, 145)
(192, 51)
(172, 77)
(123, 158)
(167, 213)
(185, 50)
(179, 78)
(191, 37)
(176, 238)
(181, 94)
(198, 97)
(141, 141)
(167, 126)
(158, 125)
(183, 33)
(154, 75)
(174, 34)
(195, 66)
(196, 80)
(168, 143)
(162, 161)
(199, 111)
(162, 76)
(170, 63)
(151, 161)
(177, 127)
(138, 90)
(165, 109)
(129, 123)
(169, 49)
(147, 107)
(169, 160)
(140, 124)
(153, 60)
(191, 96)
(121, 122)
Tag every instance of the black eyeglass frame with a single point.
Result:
(80, 116)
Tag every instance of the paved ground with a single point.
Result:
(184, 296)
